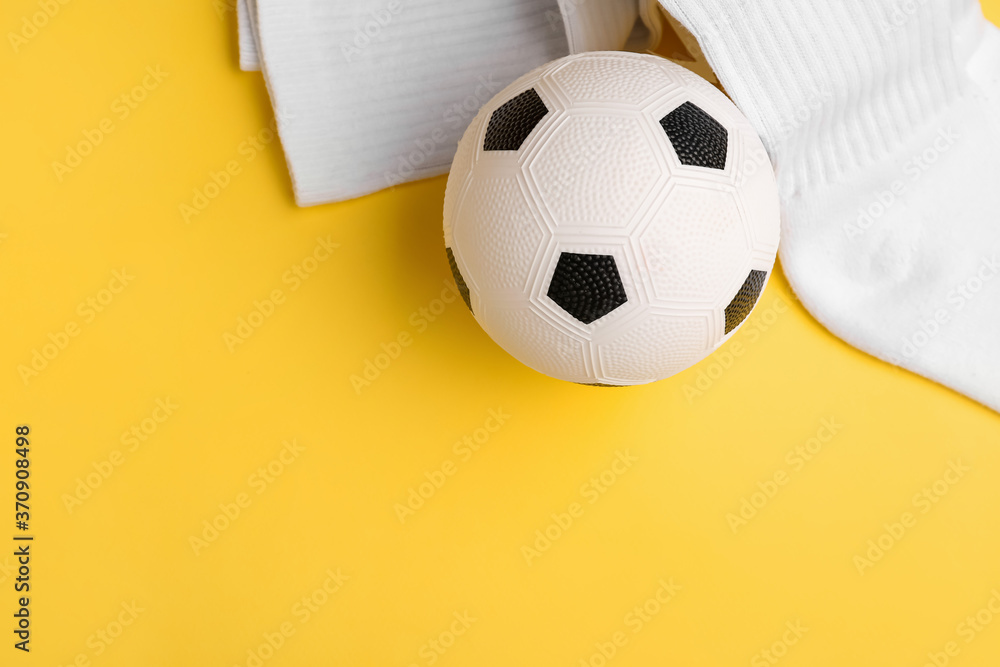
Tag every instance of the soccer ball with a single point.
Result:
(611, 218)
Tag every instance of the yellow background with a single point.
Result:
(333, 507)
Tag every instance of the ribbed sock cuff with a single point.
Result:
(831, 86)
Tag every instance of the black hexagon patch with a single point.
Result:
(463, 288)
(698, 139)
(587, 287)
(511, 124)
(745, 299)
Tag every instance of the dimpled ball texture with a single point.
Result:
(611, 218)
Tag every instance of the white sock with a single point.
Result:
(359, 112)
(249, 62)
(883, 121)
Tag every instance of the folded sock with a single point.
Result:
(249, 61)
(883, 121)
(373, 93)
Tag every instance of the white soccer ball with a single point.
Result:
(611, 218)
